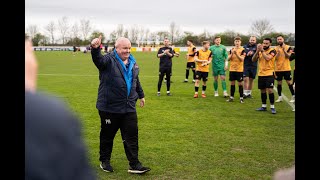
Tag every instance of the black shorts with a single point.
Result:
(191, 65)
(265, 82)
(283, 75)
(202, 75)
(235, 76)
(250, 71)
(165, 71)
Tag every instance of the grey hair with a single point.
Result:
(121, 39)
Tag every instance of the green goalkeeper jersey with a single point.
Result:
(219, 54)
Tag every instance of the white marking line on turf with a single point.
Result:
(285, 98)
(141, 76)
(66, 75)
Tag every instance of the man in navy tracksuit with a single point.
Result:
(250, 67)
(118, 92)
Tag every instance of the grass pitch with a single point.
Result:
(179, 137)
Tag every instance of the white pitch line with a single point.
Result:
(285, 98)
(66, 75)
(141, 76)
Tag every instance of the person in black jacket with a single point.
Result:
(118, 92)
(54, 148)
(165, 65)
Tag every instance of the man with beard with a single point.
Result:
(250, 67)
(283, 67)
(266, 56)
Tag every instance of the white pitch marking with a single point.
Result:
(285, 98)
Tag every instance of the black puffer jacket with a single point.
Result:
(112, 93)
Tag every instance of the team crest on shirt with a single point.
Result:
(108, 121)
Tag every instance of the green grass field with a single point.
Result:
(179, 137)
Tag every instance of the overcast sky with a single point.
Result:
(189, 15)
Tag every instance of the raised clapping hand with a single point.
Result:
(204, 62)
(259, 47)
(233, 50)
(95, 43)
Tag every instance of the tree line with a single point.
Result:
(80, 33)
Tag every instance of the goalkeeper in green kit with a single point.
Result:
(219, 65)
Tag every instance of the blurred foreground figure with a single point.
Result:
(54, 148)
(285, 174)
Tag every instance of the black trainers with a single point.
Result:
(261, 109)
(230, 99)
(247, 96)
(169, 94)
(138, 169)
(105, 166)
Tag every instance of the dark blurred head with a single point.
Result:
(280, 40)
(266, 43)
(253, 40)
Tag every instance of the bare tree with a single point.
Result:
(153, 36)
(85, 28)
(51, 29)
(173, 29)
(147, 32)
(119, 30)
(162, 35)
(206, 34)
(177, 34)
(133, 32)
(63, 25)
(113, 36)
(140, 33)
(261, 27)
(75, 30)
(32, 30)
(126, 34)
